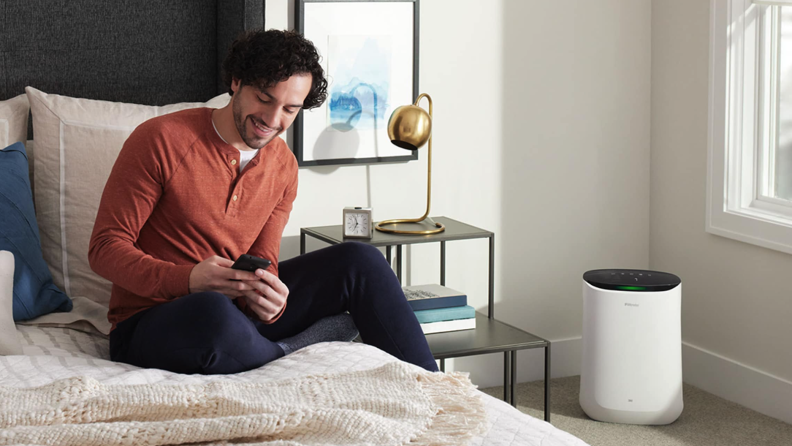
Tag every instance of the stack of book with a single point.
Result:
(439, 308)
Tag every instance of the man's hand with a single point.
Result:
(263, 291)
(268, 296)
(215, 274)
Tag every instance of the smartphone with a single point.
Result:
(247, 262)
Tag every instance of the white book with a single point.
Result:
(439, 327)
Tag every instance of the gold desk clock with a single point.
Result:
(357, 222)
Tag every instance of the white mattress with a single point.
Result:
(56, 353)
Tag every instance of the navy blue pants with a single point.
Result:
(206, 333)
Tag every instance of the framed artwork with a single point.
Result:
(369, 52)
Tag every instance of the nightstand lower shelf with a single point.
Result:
(493, 336)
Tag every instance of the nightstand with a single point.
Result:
(490, 335)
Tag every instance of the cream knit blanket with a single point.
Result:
(390, 405)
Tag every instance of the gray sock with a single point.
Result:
(332, 328)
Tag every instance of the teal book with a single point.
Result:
(445, 314)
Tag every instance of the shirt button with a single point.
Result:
(234, 198)
(233, 162)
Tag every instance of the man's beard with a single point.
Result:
(253, 141)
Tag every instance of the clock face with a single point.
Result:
(357, 224)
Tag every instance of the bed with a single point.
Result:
(98, 69)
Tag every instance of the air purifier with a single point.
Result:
(632, 346)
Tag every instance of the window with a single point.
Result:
(749, 190)
(780, 30)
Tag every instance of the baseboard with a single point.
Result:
(742, 384)
(726, 378)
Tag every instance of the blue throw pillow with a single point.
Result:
(34, 292)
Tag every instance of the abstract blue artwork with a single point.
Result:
(359, 68)
(368, 50)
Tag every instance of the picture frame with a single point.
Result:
(369, 51)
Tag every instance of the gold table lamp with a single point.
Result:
(410, 127)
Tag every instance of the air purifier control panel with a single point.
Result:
(635, 280)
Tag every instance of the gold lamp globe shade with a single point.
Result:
(410, 127)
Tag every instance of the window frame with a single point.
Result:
(738, 148)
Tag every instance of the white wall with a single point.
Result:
(541, 136)
(736, 303)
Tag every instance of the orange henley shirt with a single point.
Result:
(175, 197)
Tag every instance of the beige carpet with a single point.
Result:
(706, 420)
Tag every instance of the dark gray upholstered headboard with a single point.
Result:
(151, 52)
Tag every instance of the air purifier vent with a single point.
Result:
(631, 280)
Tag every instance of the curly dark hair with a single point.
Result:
(264, 58)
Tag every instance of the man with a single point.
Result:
(192, 191)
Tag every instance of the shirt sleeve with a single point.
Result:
(267, 244)
(132, 191)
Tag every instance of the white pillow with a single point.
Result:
(77, 142)
(9, 342)
(13, 120)
(14, 125)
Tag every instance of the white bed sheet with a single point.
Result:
(56, 353)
